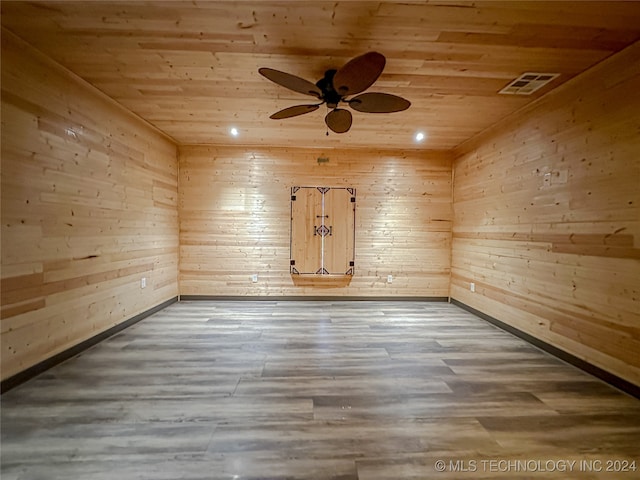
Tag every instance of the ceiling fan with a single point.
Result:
(353, 78)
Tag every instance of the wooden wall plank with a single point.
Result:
(89, 206)
(547, 218)
(235, 219)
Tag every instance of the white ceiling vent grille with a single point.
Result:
(527, 83)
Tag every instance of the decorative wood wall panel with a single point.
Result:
(89, 207)
(235, 215)
(322, 230)
(547, 218)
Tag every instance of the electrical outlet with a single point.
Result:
(472, 287)
(254, 278)
(143, 282)
(389, 278)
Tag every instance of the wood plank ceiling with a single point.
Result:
(191, 68)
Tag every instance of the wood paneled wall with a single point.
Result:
(89, 207)
(545, 212)
(235, 219)
(547, 218)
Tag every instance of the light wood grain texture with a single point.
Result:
(235, 216)
(338, 248)
(89, 207)
(362, 390)
(547, 218)
(191, 68)
(306, 244)
(322, 231)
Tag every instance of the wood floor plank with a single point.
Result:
(362, 390)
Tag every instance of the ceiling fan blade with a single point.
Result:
(359, 73)
(338, 120)
(291, 82)
(294, 111)
(379, 103)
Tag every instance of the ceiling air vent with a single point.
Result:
(527, 83)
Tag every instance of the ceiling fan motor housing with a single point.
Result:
(329, 94)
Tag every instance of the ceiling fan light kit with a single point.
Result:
(357, 75)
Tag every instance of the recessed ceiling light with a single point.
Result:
(234, 132)
(419, 136)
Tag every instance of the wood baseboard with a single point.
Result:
(50, 362)
(608, 377)
(330, 298)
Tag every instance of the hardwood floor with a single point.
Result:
(317, 390)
